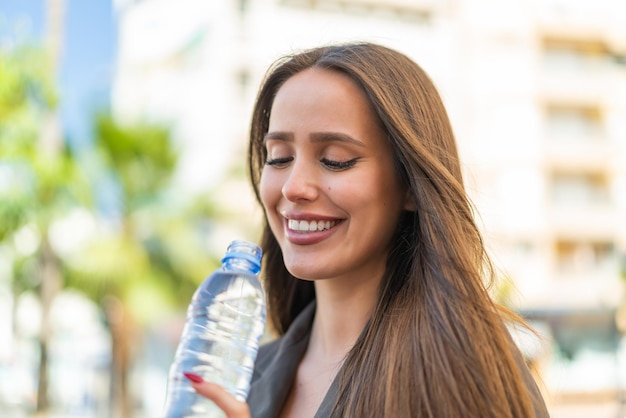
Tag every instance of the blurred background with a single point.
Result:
(122, 176)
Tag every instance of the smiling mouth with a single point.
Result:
(310, 226)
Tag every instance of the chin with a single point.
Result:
(305, 273)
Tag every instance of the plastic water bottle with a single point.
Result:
(220, 340)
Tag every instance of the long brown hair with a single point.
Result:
(436, 345)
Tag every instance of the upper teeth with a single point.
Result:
(306, 226)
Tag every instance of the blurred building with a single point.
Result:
(536, 91)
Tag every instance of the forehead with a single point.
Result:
(324, 96)
(320, 81)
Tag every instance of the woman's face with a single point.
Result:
(329, 187)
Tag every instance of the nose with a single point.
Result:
(301, 182)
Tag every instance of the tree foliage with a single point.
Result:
(26, 92)
(141, 156)
(147, 258)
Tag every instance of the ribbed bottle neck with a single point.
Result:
(243, 256)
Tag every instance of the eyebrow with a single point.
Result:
(318, 137)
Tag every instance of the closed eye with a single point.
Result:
(339, 165)
(279, 162)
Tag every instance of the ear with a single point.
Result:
(409, 202)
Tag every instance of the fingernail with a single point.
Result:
(193, 377)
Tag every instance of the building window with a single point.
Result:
(579, 188)
(579, 258)
(574, 122)
(405, 11)
(575, 55)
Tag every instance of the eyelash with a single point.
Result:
(278, 161)
(330, 164)
(339, 165)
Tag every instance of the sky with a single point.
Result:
(88, 57)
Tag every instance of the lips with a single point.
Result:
(310, 225)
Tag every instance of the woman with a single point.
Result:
(375, 269)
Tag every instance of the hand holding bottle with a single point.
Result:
(225, 322)
(231, 406)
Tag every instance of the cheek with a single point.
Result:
(269, 189)
(263, 191)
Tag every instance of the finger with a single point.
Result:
(232, 407)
